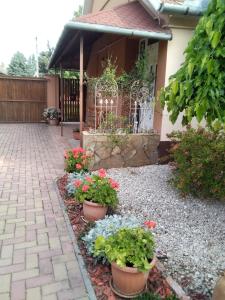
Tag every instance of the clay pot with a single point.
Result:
(219, 291)
(76, 135)
(53, 122)
(129, 281)
(94, 211)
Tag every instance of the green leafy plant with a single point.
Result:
(97, 188)
(131, 247)
(152, 296)
(51, 113)
(77, 160)
(200, 162)
(197, 89)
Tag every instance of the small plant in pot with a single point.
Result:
(97, 192)
(76, 133)
(76, 160)
(131, 252)
(51, 115)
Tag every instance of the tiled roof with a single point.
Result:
(130, 16)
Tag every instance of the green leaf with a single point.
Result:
(175, 87)
(190, 68)
(216, 39)
(210, 65)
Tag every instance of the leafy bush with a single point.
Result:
(77, 160)
(151, 296)
(97, 188)
(131, 247)
(107, 227)
(200, 162)
(72, 177)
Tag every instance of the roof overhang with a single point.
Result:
(69, 39)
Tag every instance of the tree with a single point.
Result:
(78, 12)
(44, 58)
(31, 66)
(18, 65)
(198, 88)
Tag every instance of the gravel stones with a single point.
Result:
(190, 231)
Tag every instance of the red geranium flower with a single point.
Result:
(85, 188)
(89, 179)
(150, 224)
(113, 184)
(78, 183)
(102, 173)
(78, 166)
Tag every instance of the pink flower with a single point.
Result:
(78, 183)
(89, 179)
(85, 188)
(102, 173)
(113, 184)
(78, 166)
(66, 155)
(150, 224)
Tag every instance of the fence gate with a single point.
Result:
(22, 99)
(70, 100)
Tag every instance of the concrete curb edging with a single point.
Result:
(175, 287)
(84, 273)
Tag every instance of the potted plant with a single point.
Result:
(76, 133)
(97, 192)
(131, 254)
(76, 160)
(51, 115)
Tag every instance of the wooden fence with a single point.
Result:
(22, 99)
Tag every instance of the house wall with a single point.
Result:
(175, 57)
(107, 4)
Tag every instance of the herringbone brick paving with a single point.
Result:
(37, 260)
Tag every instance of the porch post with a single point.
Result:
(81, 83)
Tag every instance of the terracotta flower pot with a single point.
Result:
(129, 281)
(53, 122)
(94, 211)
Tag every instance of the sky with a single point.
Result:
(22, 20)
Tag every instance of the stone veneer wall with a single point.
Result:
(133, 150)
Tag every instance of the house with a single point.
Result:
(121, 29)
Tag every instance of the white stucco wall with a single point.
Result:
(175, 57)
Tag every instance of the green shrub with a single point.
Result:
(152, 296)
(200, 162)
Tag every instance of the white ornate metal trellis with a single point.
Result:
(106, 101)
(141, 107)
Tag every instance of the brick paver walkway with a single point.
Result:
(37, 260)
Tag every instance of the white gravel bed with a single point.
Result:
(190, 231)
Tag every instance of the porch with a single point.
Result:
(121, 34)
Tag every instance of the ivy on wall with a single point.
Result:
(198, 88)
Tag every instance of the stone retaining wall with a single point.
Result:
(121, 150)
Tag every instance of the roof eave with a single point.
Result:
(82, 26)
